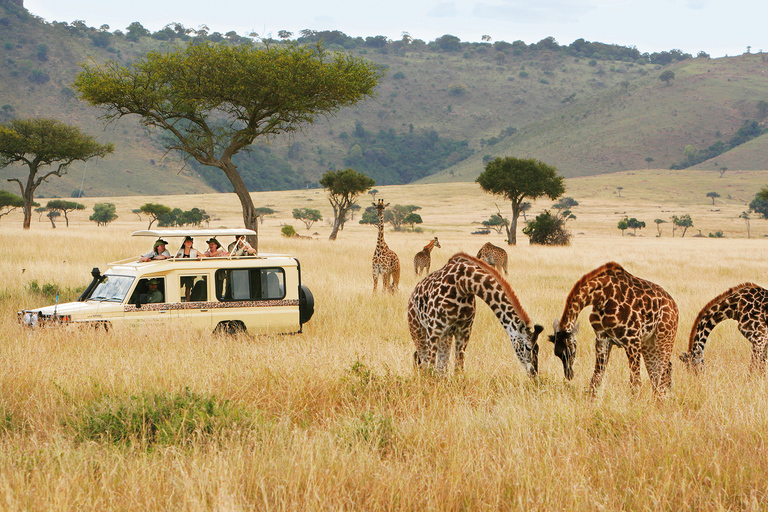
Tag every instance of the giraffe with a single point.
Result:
(494, 256)
(628, 312)
(423, 259)
(385, 262)
(746, 303)
(442, 306)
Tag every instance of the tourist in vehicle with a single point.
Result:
(154, 295)
(240, 247)
(159, 252)
(214, 249)
(186, 250)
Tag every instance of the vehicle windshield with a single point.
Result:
(111, 288)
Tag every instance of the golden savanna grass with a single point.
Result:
(337, 417)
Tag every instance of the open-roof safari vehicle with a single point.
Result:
(261, 293)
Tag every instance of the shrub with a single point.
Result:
(288, 231)
(547, 229)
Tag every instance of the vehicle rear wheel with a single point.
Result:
(230, 328)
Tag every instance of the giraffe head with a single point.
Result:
(436, 243)
(526, 347)
(380, 206)
(692, 362)
(565, 347)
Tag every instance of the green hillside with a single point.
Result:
(442, 109)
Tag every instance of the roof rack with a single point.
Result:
(159, 233)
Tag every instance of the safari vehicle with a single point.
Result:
(258, 294)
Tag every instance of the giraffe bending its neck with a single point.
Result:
(423, 258)
(746, 303)
(494, 256)
(628, 312)
(442, 306)
(385, 262)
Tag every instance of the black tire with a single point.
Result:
(230, 328)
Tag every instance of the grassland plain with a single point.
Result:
(336, 418)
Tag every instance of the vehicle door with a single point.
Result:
(148, 303)
(194, 307)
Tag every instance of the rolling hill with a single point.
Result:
(587, 108)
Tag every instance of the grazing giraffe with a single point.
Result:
(628, 312)
(494, 256)
(423, 258)
(746, 303)
(442, 306)
(385, 262)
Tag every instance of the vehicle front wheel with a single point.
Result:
(230, 328)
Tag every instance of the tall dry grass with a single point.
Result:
(336, 418)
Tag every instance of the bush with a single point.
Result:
(288, 231)
(547, 229)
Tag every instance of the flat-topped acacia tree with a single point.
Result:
(46, 147)
(213, 99)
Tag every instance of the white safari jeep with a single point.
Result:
(262, 293)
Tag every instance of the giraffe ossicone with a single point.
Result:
(442, 308)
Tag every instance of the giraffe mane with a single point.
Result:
(505, 286)
(710, 304)
(610, 266)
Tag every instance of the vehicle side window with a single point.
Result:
(193, 288)
(153, 295)
(250, 284)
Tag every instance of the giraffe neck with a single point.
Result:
(587, 293)
(380, 243)
(502, 300)
(428, 248)
(723, 307)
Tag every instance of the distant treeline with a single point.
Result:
(104, 36)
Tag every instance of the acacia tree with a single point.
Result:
(517, 179)
(37, 143)
(154, 211)
(213, 100)
(103, 213)
(307, 215)
(9, 202)
(684, 221)
(343, 187)
(64, 207)
(713, 195)
(658, 222)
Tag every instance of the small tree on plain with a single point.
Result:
(745, 215)
(9, 202)
(760, 203)
(496, 222)
(154, 211)
(307, 215)
(52, 216)
(648, 161)
(623, 225)
(547, 229)
(684, 221)
(64, 207)
(659, 222)
(713, 196)
(103, 213)
(635, 224)
(40, 211)
(342, 188)
(517, 179)
(262, 212)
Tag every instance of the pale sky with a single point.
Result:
(718, 27)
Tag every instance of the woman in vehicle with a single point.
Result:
(186, 250)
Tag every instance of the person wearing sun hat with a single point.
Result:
(154, 295)
(240, 247)
(186, 250)
(214, 249)
(159, 252)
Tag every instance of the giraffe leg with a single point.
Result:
(602, 354)
(633, 358)
(442, 353)
(375, 280)
(759, 347)
(461, 341)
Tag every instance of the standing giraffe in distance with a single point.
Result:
(494, 256)
(442, 306)
(385, 262)
(423, 258)
(628, 312)
(746, 303)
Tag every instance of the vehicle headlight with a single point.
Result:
(29, 318)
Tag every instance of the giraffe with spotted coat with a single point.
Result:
(442, 308)
(746, 303)
(423, 258)
(385, 262)
(627, 312)
(494, 256)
